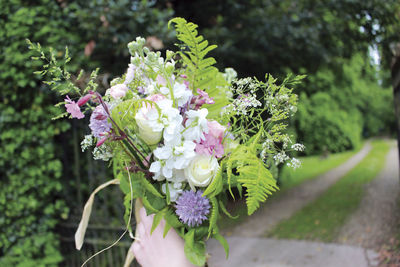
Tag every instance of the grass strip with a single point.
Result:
(322, 218)
(312, 167)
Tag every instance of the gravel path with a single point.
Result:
(266, 252)
(287, 203)
(378, 215)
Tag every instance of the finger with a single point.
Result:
(137, 251)
(146, 220)
(141, 230)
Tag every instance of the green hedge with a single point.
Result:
(326, 126)
(341, 104)
(30, 185)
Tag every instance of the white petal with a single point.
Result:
(155, 166)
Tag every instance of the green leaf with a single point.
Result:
(199, 67)
(224, 210)
(157, 219)
(152, 203)
(166, 229)
(259, 183)
(167, 193)
(216, 186)
(194, 251)
(223, 242)
(148, 186)
(172, 219)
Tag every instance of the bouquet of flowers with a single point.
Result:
(181, 136)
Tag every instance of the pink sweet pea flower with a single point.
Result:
(101, 141)
(83, 100)
(156, 97)
(201, 99)
(212, 144)
(73, 108)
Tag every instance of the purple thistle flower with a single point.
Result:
(192, 208)
(99, 122)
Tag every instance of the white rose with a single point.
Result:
(149, 129)
(201, 171)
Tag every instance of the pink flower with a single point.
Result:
(201, 99)
(156, 97)
(101, 141)
(83, 100)
(118, 91)
(212, 142)
(161, 80)
(216, 130)
(73, 108)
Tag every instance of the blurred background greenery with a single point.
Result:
(344, 46)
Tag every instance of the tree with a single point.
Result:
(276, 36)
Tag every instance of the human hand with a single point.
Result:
(152, 250)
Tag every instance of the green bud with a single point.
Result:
(170, 54)
(169, 67)
(146, 50)
(135, 61)
(141, 41)
(133, 47)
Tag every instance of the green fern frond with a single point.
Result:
(213, 216)
(259, 183)
(252, 174)
(200, 70)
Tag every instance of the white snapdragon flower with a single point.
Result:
(183, 154)
(162, 169)
(130, 74)
(196, 124)
(156, 168)
(150, 88)
(171, 119)
(180, 91)
(175, 190)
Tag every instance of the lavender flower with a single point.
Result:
(99, 122)
(192, 208)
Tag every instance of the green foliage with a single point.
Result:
(195, 251)
(214, 216)
(30, 187)
(341, 104)
(325, 126)
(259, 36)
(30, 207)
